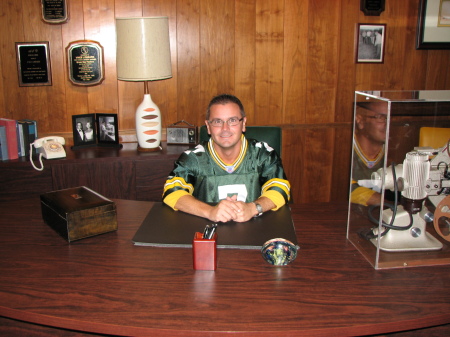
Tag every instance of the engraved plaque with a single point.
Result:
(33, 64)
(54, 11)
(85, 61)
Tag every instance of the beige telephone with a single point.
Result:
(48, 147)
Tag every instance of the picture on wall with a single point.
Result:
(433, 25)
(84, 133)
(370, 41)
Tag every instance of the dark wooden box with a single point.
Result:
(78, 213)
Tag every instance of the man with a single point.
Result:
(368, 152)
(229, 177)
(80, 136)
(378, 44)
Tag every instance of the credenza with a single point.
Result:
(123, 173)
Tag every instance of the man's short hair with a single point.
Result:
(224, 99)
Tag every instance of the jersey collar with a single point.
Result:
(233, 167)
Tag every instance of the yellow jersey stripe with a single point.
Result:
(178, 182)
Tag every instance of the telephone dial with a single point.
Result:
(48, 147)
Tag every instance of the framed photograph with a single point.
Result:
(370, 40)
(33, 64)
(107, 130)
(84, 131)
(433, 25)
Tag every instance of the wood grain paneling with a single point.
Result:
(323, 32)
(295, 68)
(216, 49)
(269, 62)
(245, 54)
(188, 37)
(291, 62)
(12, 31)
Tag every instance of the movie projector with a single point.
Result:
(423, 174)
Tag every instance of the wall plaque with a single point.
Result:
(372, 7)
(85, 61)
(54, 11)
(33, 64)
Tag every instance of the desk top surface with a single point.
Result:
(105, 284)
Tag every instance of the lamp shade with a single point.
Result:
(143, 49)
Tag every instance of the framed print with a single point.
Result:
(33, 64)
(433, 25)
(85, 62)
(84, 131)
(370, 40)
(107, 130)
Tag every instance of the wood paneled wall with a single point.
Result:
(290, 61)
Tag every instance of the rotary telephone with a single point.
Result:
(48, 147)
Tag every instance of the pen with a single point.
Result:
(205, 232)
(211, 232)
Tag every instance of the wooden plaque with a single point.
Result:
(54, 11)
(372, 7)
(85, 62)
(33, 64)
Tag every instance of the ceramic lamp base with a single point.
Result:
(148, 124)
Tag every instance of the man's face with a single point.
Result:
(79, 126)
(226, 136)
(372, 125)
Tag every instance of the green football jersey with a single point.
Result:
(203, 174)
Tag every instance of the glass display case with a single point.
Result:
(399, 204)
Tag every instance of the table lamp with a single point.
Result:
(143, 54)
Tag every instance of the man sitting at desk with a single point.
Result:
(240, 177)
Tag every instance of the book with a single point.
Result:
(25, 127)
(32, 132)
(20, 146)
(11, 137)
(3, 144)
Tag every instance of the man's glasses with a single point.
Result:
(379, 118)
(233, 121)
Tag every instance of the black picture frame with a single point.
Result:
(90, 134)
(33, 63)
(370, 42)
(107, 130)
(432, 34)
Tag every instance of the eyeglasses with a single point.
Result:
(379, 118)
(233, 121)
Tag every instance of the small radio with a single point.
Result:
(181, 134)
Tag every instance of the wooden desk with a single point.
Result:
(106, 285)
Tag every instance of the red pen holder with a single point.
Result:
(204, 252)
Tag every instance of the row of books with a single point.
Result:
(16, 137)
